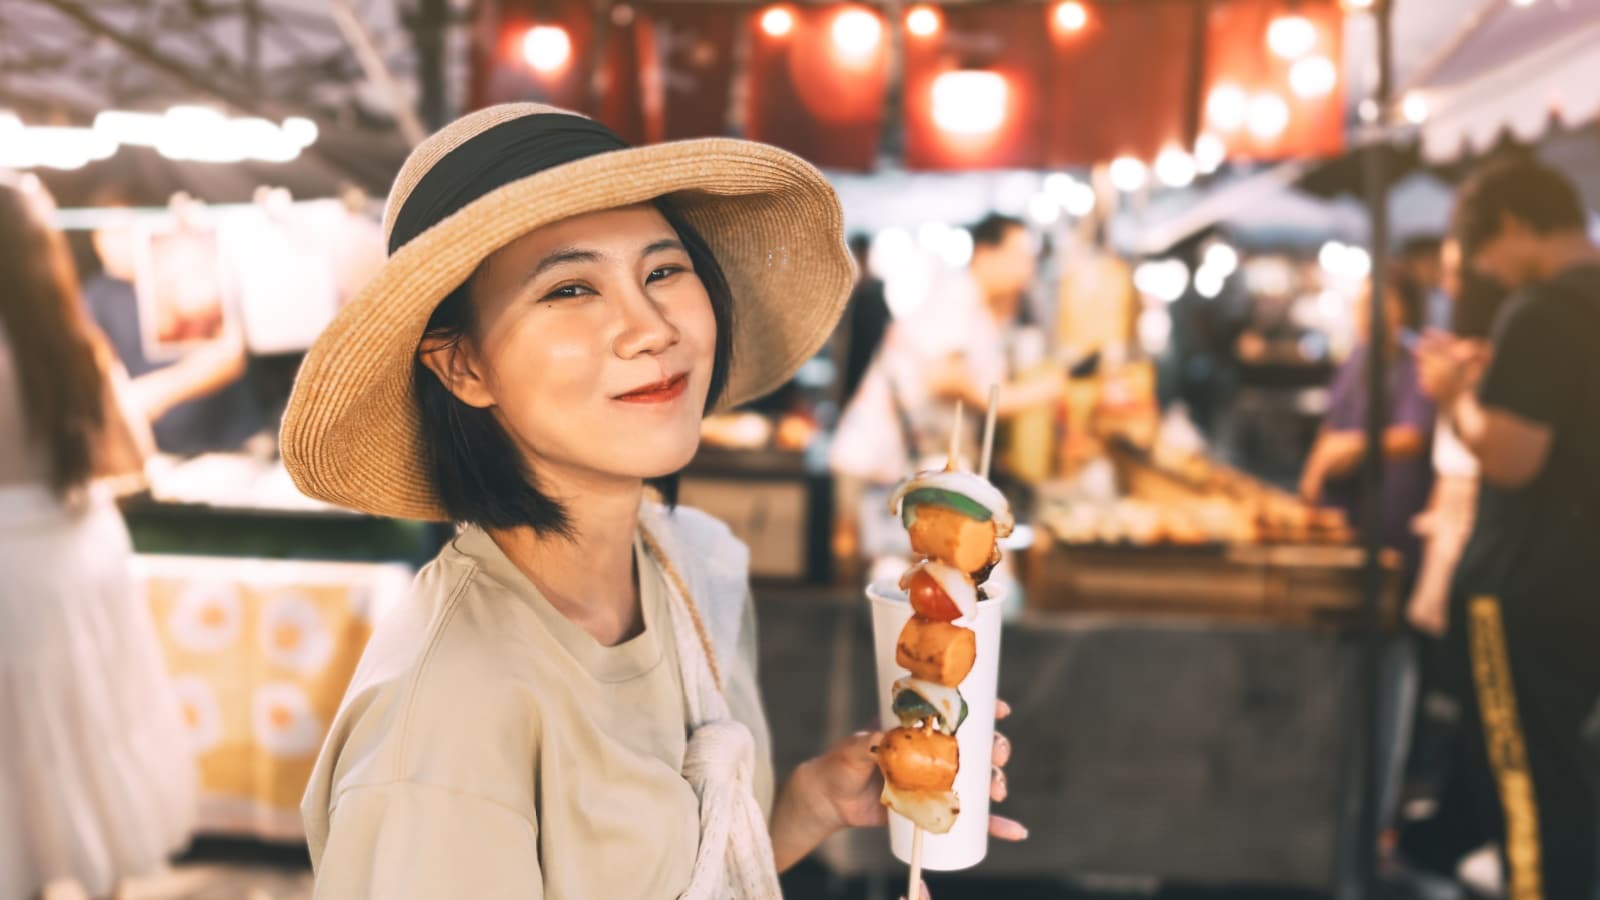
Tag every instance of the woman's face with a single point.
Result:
(594, 345)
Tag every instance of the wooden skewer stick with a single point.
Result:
(914, 888)
(988, 431)
(954, 462)
(914, 885)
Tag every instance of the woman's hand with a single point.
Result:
(840, 789)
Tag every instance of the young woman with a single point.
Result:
(97, 783)
(567, 706)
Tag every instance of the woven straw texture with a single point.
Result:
(350, 434)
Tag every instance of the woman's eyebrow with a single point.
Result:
(663, 244)
(562, 257)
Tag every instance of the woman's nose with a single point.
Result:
(646, 328)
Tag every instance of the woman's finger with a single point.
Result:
(1007, 829)
(1001, 709)
(997, 784)
(1001, 754)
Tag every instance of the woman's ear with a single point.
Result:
(457, 369)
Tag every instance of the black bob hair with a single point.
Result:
(476, 471)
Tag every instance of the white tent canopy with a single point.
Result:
(1513, 69)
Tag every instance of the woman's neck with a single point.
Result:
(588, 577)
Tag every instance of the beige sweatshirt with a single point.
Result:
(488, 747)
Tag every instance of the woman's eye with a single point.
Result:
(663, 272)
(566, 292)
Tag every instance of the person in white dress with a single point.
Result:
(97, 779)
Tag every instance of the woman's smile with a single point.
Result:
(659, 392)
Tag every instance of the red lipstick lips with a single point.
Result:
(659, 392)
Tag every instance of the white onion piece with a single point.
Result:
(933, 811)
(968, 485)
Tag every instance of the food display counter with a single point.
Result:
(262, 600)
(777, 501)
(260, 652)
(238, 505)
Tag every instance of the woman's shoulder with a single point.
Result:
(436, 697)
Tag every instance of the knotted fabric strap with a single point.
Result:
(735, 859)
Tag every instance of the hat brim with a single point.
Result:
(351, 433)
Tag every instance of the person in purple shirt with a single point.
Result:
(1332, 473)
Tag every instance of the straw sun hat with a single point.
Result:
(350, 434)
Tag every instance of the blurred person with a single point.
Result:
(1449, 823)
(97, 781)
(1421, 268)
(856, 342)
(1446, 523)
(860, 332)
(1332, 472)
(198, 403)
(1526, 587)
(952, 347)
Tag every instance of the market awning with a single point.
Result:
(1516, 70)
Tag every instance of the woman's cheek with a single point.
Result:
(695, 321)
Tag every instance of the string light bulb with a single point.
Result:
(777, 22)
(1269, 116)
(1415, 108)
(1072, 15)
(923, 21)
(1291, 37)
(1313, 77)
(856, 33)
(1226, 107)
(1209, 153)
(1175, 168)
(969, 102)
(1129, 174)
(547, 48)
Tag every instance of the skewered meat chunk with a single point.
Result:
(936, 651)
(949, 536)
(919, 759)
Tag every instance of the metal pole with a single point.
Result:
(432, 23)
(1377, 190)
(252, 46)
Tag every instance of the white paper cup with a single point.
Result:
(967, 843)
